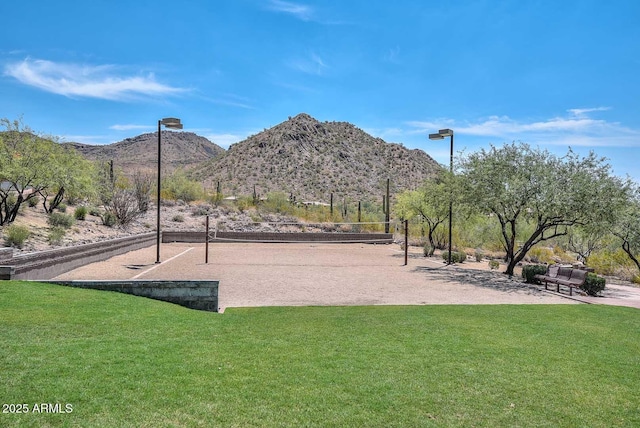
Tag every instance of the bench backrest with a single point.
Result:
(552, 271)
(564, 272)
(578, 275)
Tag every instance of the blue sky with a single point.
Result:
(551, 73)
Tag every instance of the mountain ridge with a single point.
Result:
(179, 150)
(310, 160)
(302, 157)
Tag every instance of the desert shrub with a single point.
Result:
(142, 186)
(215, 198)
(593, 284)
(178, 218)
(179, 186)
(529, 273)
(16, 235)
(62, 208)
(479, 254)
(74, 198)
(494, 264)
(80, 213)
(32, 202)
(108, 219)
(456, 256)
(614, 263)
(200, 210)
(561, 254)
(60, 219)
(277, 202)
(428, 250)
(94, 211)
(123, 206)
(541, 255)
(244, 203)
(56, 234)
(255, 217)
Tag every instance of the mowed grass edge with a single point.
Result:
(121, 360)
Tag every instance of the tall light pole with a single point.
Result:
(173, 123)
(439, 136)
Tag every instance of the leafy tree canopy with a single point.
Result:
(430, 202)
(627, 228)
(519, 184)
(31, 164)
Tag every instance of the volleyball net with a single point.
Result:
(299, 232)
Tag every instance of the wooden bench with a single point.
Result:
(563, 275)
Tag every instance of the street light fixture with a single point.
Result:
(439, 136)
(172, 123)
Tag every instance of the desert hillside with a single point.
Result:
(179, 150)
(311, 159)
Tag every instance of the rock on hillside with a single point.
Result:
(179, 149)
(312, 159)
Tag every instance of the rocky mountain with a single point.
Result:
(179, 149)
(311, 159)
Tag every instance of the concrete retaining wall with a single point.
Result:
(201, 295)
(182, 236)
(51, 263)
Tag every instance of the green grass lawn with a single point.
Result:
(120, 360)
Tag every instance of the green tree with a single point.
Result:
(587, 239)
(627, 228)
(24, 163)
(430, 202)
(69, 173)
(521, 185)
(179, 186)
(32, 165)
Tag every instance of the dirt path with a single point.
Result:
(319, 274)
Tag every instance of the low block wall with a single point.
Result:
(200, 295)
(183, 236)
(51, 263)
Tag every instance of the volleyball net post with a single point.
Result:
(406, 242)
(206, 241)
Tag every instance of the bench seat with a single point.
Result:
(563, 275)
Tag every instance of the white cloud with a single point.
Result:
(300, 11)
(393, 55)
(578, 129)
(313, 64)
(225, 140)
(583, 111)
(74, 80)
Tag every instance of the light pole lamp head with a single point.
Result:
(171, 122)
(446, 132)
(436, 137)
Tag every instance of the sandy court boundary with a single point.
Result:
(254, 275)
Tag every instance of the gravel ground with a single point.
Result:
(320, 274)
